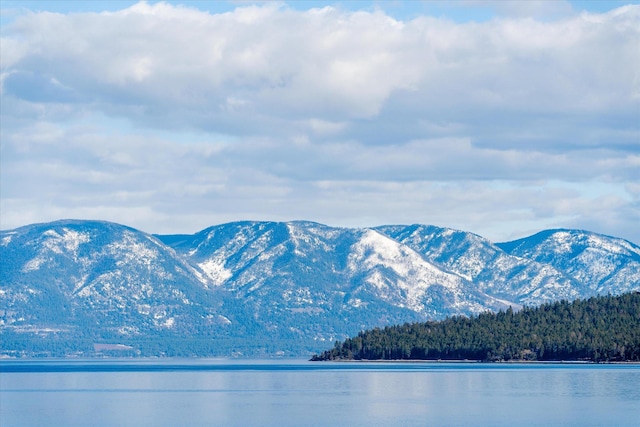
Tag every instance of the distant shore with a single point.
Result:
(487, 362)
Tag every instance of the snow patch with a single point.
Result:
(33, 264)
(357, 302)
(215, 270)
(224, 320)
(563, 241)
(7, 239)
(69, 240)
(132, 251)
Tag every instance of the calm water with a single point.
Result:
(296, 393)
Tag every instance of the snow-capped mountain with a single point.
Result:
(69, 275)
(598, 264)
(302, 262)
(304, 279)
(492, 270)
(268, 287)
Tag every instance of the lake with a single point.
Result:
(157, 392)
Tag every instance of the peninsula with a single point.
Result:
(597, 329)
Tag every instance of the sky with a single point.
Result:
(495, 117)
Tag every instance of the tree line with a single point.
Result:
(597, 329)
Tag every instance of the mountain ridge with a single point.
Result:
(264, 287)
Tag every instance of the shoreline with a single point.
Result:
(485, 362)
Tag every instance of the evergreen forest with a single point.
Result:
(597, 329)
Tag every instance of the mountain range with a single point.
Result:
(86, 288)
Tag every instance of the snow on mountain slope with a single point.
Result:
(262, 287)
(290, 280)
(399, 273)
(327, 268)
(485, 264)
(600, 264)
(89, 272)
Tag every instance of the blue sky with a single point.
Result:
(459, 11)
(500, 118)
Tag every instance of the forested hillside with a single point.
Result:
(598, 329)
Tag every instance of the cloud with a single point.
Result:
(322, 63)
(157, 112)
(168, 185)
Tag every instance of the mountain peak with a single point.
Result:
(251, 286)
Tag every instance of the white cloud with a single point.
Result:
(322, 63)
(159, 112)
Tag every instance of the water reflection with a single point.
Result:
(383, 395)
